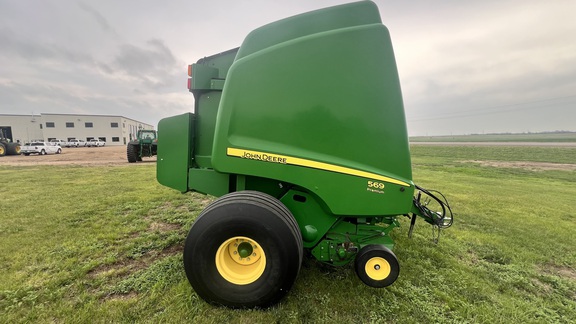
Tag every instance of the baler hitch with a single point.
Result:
(440, 219)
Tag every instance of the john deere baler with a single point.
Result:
(301, 134)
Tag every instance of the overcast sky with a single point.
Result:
(465, 66)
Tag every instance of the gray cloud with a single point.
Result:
(96, 15)
(465, 67)
(153, 65)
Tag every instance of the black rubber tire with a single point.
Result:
(59, 151)
(42, 152)
(376, 255)
(131, 153)
(2, 149)
(259, 217)
(12, 149)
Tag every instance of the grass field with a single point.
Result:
(103, 244)
(528, 137)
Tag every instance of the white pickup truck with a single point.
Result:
(40, 148)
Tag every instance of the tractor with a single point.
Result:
(144, 144)
(7, 147)
(301, 135)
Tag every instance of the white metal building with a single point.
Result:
(114, 130)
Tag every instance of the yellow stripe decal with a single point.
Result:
(284, 159)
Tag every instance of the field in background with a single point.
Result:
(528, 137)
(103, 244)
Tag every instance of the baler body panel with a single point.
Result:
(327, 96)
(175, 148)
(204, 130)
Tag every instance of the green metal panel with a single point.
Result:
(221, 61)
(217, 84)
(270, 186)
(208, 181)
(202, 76)
(312, 218)
(323, 20)
(174, 151)
(206, 111)
(327, 98)
(208, 77)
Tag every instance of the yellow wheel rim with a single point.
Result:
(377, 268)
(1, 150)
(240, 260)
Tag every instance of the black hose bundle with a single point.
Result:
(443, 219)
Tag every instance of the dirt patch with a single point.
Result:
(163, 227)
(566, 272)
(532, 166)
(108, 155)
(126, 267)
(121, 297)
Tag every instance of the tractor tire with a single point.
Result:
(377, 266)
(2, 149)
(131, 153)
(244, 250)
(12, 149)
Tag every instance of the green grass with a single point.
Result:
(528, 137)
(103, 244)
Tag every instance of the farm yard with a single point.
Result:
(87, 156)
(87, 237)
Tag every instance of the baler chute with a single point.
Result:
(301, 133)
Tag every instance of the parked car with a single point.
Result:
(60, 142)
(76, 143)
(95, 143)
(40, 148)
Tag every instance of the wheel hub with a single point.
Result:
(240, 260)
(377, 268)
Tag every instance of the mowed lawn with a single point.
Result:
(103, 244)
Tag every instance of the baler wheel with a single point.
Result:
(2, 149)
(243, 251)
(377, 266)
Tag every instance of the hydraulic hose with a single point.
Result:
(443, 219)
